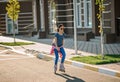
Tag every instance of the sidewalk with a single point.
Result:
(45, 48)
(41, 47)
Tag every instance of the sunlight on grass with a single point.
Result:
(97, 59)
(15, 44)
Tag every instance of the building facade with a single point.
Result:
(44, 15)
(26, 17)
(85, 13)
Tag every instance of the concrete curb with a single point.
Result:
(83, 65)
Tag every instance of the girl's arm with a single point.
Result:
(55, 41)
(56, 44)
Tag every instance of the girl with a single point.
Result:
(59, 41)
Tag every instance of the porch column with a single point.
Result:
(113, 30)
(46, 20)
(44, 29)
(95, 21)
(34, 13)
(42, 15)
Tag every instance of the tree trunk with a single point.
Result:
(14, 32)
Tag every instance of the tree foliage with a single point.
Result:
(100, 13)
(13, 9)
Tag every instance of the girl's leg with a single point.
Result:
(56, 56)
(63, 54)
(62, 68)
(56, 60)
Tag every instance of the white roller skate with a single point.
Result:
(62, 68)
(55, 68)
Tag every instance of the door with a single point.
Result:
(9, 26)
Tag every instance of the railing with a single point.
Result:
(30, 28)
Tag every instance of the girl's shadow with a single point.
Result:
(70, 78)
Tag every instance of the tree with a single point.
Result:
(13, 9)
(100, 18)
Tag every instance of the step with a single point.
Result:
(50, 36)
(97, 37)
(94, 40)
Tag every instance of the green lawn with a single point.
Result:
(96, 60)
(15, 44)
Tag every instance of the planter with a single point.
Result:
(42, 34)
(109, 38)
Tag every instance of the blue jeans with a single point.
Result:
(57, 55)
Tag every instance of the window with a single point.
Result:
(88, 15)
(52, 17)
(78, 8)
(84, 14)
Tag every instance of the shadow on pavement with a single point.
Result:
(70, 78)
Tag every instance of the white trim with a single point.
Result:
(106, 12)
(107, 27)
(68, 27)
(65, 10)
(64, 4)
(106, 4)
(64, 21)
(64, 16)
(107, 20)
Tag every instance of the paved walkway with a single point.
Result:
(40, 45)
(92, 46)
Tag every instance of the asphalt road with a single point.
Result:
(19, 68)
